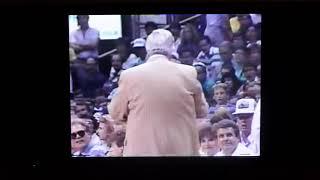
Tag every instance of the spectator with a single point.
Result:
(140, 50)
(189, 39)
(82, 110)
(252, 37)
(208, 142)
(240, 58)
(124, 50)
(149, 27)
(221, 98)
(208, 53)
(90, 79)
(117, 69)
(250, 72)
(84, 40)
(80, 140)
(220, 114)
(233, 84)
(226, 69)
(117, 144)
(206, 83)
(187, 56)
(244, 114)
(228, 140)
(216, 28)
(253, 90)
(104, 132)
(225, 52)
(255, 58)
(238, 42)
(157, 118)
(175, 29)
(245, 22)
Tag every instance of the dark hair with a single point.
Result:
(78, 16)
(205, 38)
(195, 34)
(175, 25)
(118, 137)
(151, 24)
(187, 49)
(206, 132)
(226, 123)
(236, 82)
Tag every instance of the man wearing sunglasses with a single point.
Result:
(245, 109)
(81, 138)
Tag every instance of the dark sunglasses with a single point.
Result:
(80, 133)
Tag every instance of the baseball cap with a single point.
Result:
(140, 42)
(245, 106)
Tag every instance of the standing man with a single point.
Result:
(160, 100)
(84, 40)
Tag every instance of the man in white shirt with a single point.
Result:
(229, 140)
(250, 137)
(85, 39)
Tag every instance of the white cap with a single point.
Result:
(245, 106)
(160, 40)
(140, 42)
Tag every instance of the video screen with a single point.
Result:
(176, 85)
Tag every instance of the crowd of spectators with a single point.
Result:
(227, 58)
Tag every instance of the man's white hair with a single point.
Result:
(160, 41)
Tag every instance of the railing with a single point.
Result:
(166, 27)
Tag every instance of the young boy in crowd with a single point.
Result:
(221, 98)
(208, 53)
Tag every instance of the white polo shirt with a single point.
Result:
(241, 150)
(90, 36)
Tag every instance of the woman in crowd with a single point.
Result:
(208, 141)
(189, 39)
(104, 132)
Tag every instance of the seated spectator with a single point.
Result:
(228, 136)
(81, 137)
(149, 27)
(255, 58)
(189, 39)
(140, 50)
(253, 90)
(187, 56)
(252, 36)
(221, 98)
(206, 83)
(225, 52)
(175, 29)
(245, 22)
(220, 114)
(104, 132)
(208, 53)
(117, 143)
(250, 73)
(233, 84)
(208, 142)
(90, 79)
(244, 114)
(82, 110)
(240, 58)
(124, 50)
(117, 68)
(238, 42)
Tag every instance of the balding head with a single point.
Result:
(160, 41)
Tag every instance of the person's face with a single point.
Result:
(225, 54)
(81, 110)
(240, 56)
(227, 139)
(83, 20)
(251, 34)
(238, 43)
(250, 73)
(201, 73)
(187, 33)
(186, 58)
(225, 71)
(209, 145)
(255, 58)
(220, 96)
(259, 70)
(175, 32)
(116, 62)
(102, 131)
(204, 46)
(79, 137)
(228, 81)
(244, 122)
(115, 151)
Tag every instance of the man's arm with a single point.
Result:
(118, 108)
